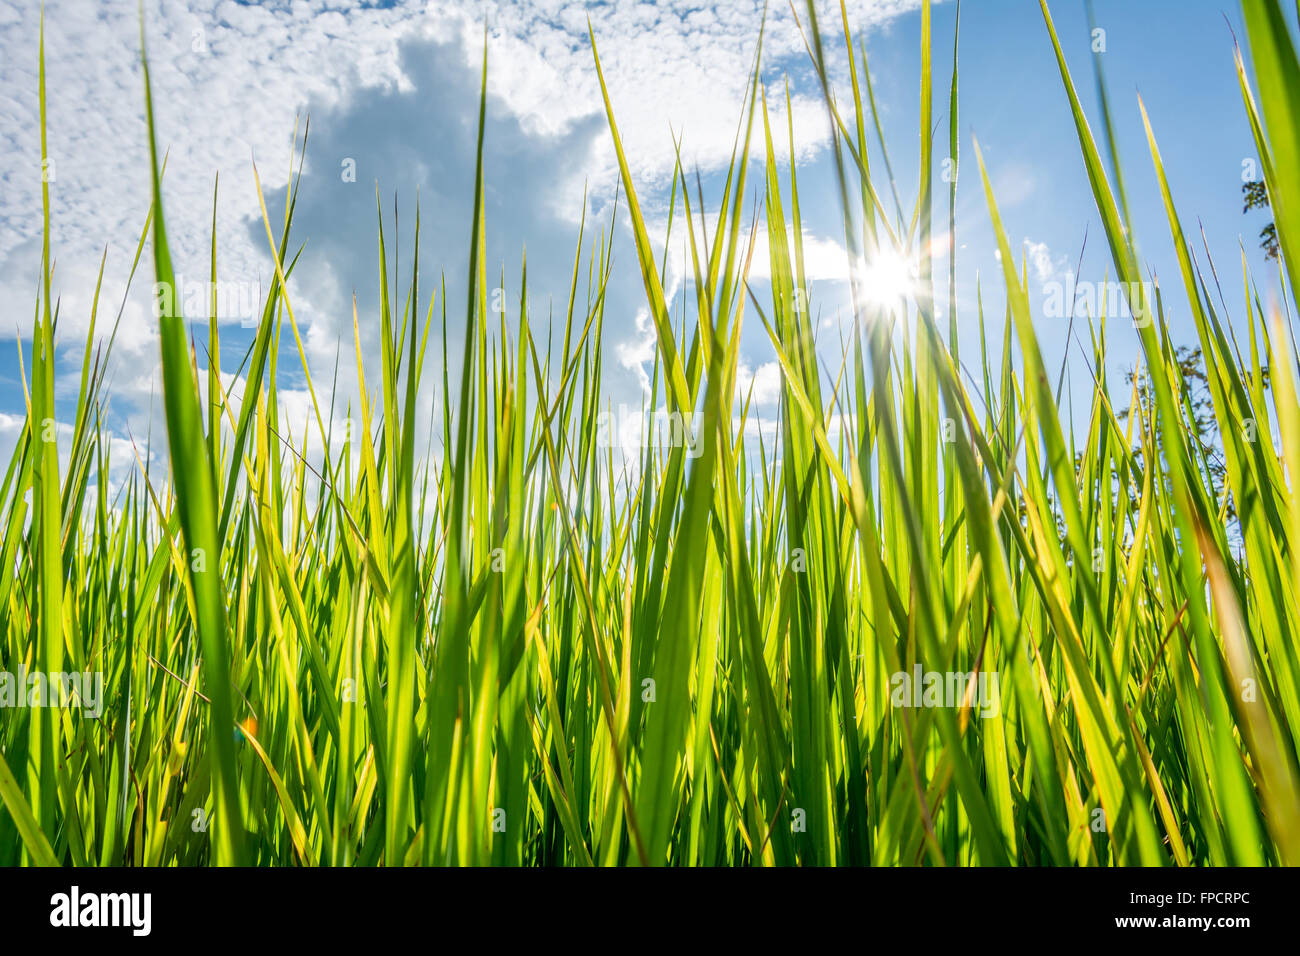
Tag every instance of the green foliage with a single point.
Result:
(1255, 194)
(526, 651)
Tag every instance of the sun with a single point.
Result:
(887, 278)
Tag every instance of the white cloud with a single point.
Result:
(823, 259)
(1041, 260)
(230, 79)
(765, 382)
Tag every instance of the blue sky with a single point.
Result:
(392, 88)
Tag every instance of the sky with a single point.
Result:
(391, 92)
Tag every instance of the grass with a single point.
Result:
(524, 652)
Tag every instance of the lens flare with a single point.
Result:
(887, 278)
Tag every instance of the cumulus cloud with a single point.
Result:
(392, 86)
(765, 382)
(230, 78)
(823, 258)
(1045, 266)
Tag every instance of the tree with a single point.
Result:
(1198, 418)
(1256, 194)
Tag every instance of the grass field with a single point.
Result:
(525, 651)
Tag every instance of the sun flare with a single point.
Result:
(887, 278)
